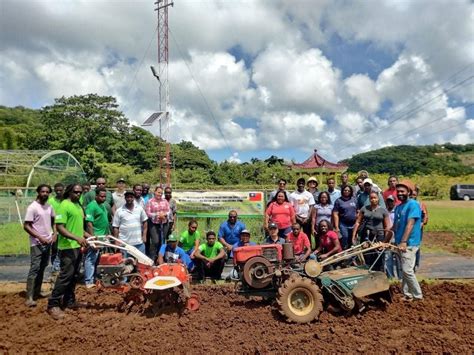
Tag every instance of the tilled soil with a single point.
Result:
(226, 322)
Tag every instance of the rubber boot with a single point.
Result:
(30, 290)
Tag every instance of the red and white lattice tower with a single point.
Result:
(163, 115)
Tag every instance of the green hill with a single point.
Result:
(446, 159)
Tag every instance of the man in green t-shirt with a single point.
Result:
(70, 225)
(210, 258)
(189, 239)
(97, 224)
(109, 200)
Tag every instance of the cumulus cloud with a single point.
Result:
(304, 80)
(234, 158)
(250, 76)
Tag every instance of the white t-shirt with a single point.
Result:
(129, 224)
(302, 203)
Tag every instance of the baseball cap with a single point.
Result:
(121, 180)
(172, 238)
(245, 231)
(312, 178)
(272, 225)
(408, 184)
(368, 181)
(129, 193)
(390, 197)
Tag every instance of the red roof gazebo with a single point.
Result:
(317, 165)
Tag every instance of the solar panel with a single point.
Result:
(149, 121)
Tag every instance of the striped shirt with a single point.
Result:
(129, 223)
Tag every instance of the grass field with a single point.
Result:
(456, 217)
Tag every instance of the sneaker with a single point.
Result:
(43, 295)
(407, 299)
(30, 303)
(89, 286)
(56, 313)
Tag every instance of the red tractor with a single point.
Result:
(300, 289)
(157, 287)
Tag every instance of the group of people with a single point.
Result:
(342, 216)
(59, 224)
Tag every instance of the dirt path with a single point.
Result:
(226, 322)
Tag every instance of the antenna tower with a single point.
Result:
(162, 117)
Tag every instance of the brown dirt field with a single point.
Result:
(445, 241)
(229, 323)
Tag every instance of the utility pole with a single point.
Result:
(163, 115)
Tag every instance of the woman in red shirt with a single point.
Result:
(281, 212)
(328, 241)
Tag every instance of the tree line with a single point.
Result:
(97, 133)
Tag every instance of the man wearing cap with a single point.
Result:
(229, 231)
(303, 203)
(363, 197)
(119, 194)
(313, 187)
(210, 258)
(171, 253)
(130, 223)
(407, 228)
(273, 237)
(244, 241)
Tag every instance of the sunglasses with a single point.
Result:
(232, 216)
(77, 192)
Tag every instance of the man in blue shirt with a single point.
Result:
(244, 241)
(273, 237)
(407, 228)
(229, 231)
(171, 253)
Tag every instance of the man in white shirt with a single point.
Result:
(130, 223)
(303, 202)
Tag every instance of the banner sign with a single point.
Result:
(219, 203)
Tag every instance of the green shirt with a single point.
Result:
(54, 202)
(72, 216)
(97, 215)
(210, 252)
(187, 240)
(109, 201)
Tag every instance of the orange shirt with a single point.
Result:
(300, 243)
(281, 215)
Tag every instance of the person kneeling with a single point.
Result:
(210, 258)
(170, 253)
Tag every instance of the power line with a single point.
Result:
(201, 93)
(410, 112)
(134, 78)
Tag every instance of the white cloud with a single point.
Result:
(303, 80)
(363, 90)
(234, 158)
(261, 66)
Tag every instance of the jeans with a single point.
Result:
(392, 265)
(64, 289)
(158, 234)
(411, 287)
(54, 257)
(39, 260)
(283, 232)
(140, 247)
(346, 235)
(90, 263)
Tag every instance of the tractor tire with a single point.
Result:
(300, 300)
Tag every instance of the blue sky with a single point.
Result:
(278, 77)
